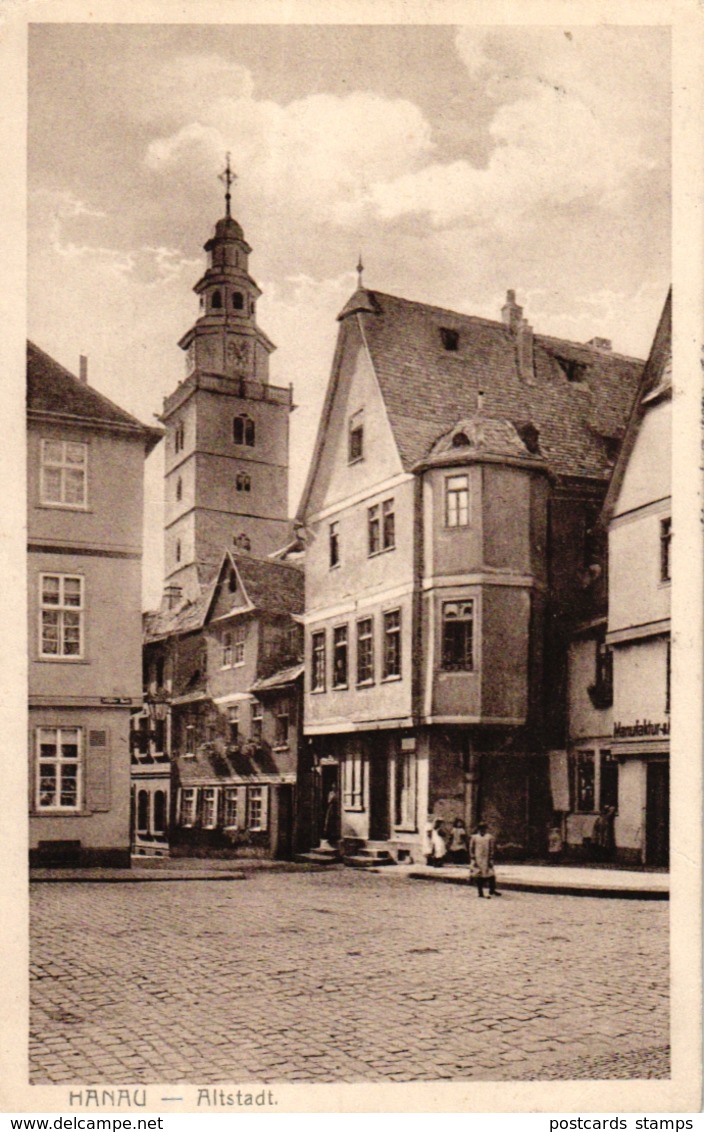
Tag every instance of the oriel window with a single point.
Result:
(458, 635)
(456, 501)
(339, 658)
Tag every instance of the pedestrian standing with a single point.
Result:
(458, 843)
(330, 825)
(481, 855)
(438, 843)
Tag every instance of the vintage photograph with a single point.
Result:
(349, 518)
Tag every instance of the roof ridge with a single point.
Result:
(497, 323)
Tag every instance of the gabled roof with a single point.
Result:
(656, 380)
(427, 387)
(54, 390)
(269, 586)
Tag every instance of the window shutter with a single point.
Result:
(265, 807)
(241, 807)
(98, 771)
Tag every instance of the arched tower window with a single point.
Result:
(243, 482)
(178, 550)
(242, 541)
(238, 300)
(216, 301)
(179, 489)
(243, 430)
(179, 436)
(460, 440)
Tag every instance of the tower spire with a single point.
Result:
(227, 177)
(359, 269)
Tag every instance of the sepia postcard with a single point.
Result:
(353, 557)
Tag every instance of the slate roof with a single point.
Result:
(483, 436)
(271, 586)
(280, 679)
(51, 388)
(427, 388)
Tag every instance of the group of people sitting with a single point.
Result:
(454, 844)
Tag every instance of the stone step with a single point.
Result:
(369, 860)
(319, 857)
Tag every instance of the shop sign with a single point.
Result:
(122, 700)
(640, 729)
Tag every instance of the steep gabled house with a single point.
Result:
(618, 754)
(458, 472)
(85, 472)
(230, 666)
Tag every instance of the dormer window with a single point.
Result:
(356, 438)
(449, 338)
(574, 371)
(461, 440)
(243, 430)
(216, 301)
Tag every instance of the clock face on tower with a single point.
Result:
(238, 356)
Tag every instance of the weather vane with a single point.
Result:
(360, 269)
(227, 177)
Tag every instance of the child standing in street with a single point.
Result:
(481, 855)
(458, 843)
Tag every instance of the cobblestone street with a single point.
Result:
(342, 976)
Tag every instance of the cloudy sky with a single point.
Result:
(460, 161)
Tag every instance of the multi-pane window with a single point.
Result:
(457, 635)
(238, 645)
(392, 643)
(256, 721)
(282, 723)
(608, 780)
(257, 807)
(665, 543)
(187, 814)
(227, 649)
(353, 782)
(388, 526)
(61, 631)
(356, 438)
(243, 430)
(365, 651)
(373, 530)
(583, 782)
(456, 501)
(339, 657)
(317, 677)
(63, 473)
(229, 808)
(334, 544)
(59, 768)
(233, 724)
(209, 807)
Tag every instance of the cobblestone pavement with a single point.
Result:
(342, 976)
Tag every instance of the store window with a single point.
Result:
(608, 780)
(583, 782)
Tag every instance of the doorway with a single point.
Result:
(657, 814)
(379, 822)
(329, 780)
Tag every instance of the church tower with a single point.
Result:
(227, 428)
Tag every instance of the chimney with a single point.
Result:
(172, 596)
(511, 313)
(600, 343)
(83, 369)
(524, 349)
